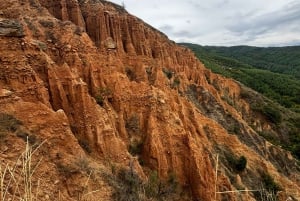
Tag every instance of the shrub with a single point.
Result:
(26, 136)
(128, 186)
(9, 123)
(153, 184)
(83, 164)
(237, 164)
(85, 145)
(46, 23)
(133, 124)
(272, 114)
(269, 183)
(135, 148)
(241, 164)
(131, 74)
(103, 94)
(175, 83)
(100, 100)
(168, 73)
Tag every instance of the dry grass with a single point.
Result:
(264, 195)
(16, 183)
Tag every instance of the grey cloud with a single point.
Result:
(166, 28)
(184, 33)
(223, 22)
(221, 4)
(268, 22)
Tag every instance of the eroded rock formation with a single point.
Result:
(96, 82)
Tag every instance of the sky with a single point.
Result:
(222, 22)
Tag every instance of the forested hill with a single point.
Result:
(272, 71)
(284, 60)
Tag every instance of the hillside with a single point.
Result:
(274, 72)
(284, 60)
(95, 104)
(278, 87)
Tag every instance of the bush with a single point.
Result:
(127, 187)
(46, 23)
(100, 100)
(153, 184)
(133, 124)
(269, 183)
(272, 114)
(135, 148)
(85, 145)
(241, 164)
(162, 190)
(168, 73)
(175, 83)
(237, 164)
(131, 74)
(26, 136)
(8, 123)
(102, 95)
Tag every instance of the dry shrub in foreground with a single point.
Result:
(16, 178)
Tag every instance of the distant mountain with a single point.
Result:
(272, 71)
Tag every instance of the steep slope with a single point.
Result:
(100, 90)
(278, 87)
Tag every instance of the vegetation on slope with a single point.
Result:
(283, 60)
(274, 72)
(279, 84)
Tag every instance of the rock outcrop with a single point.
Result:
(11, 28)
(100, 85)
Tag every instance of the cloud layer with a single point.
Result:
(222, 22)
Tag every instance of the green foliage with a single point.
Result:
(237, 164)
(153, 184)
(294, 145)
(136, 147)
(274, 72)
(284, 60)
(161, 190)
(8, 123)
(269, 137)
(168, 73)
(176, 82)
(99, 99)
(102, 95)
(269, 183)
(128, 186)
(272, 114)
(241, 164)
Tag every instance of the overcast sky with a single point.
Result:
(222, 22)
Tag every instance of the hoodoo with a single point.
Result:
(109, 107)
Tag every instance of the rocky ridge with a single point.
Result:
(102, 88)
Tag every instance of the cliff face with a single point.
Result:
(102, 86)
